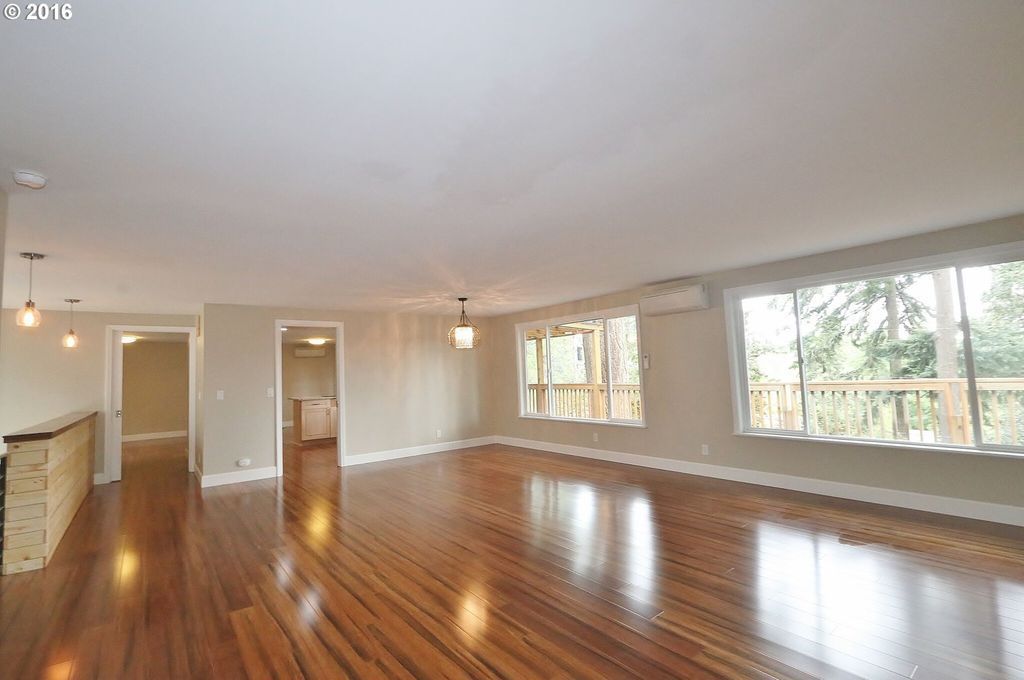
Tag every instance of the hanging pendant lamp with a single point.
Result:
(70, 339)
(464, 335)
(28, 316)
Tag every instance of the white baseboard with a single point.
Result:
(153, 435)
(100, 478)
(393, 454)
(944, 505)
(245, 475)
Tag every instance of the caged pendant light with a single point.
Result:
(28, 316)
(70, 339)
(464, 335)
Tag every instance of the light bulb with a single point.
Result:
(464, 337)
(128, 339)
(70, 339)
(28, 315)
(317, 341)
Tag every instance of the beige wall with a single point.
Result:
(688, 397)
(402, 382)
(40, 380)
(155, 397)
(3, 251)
(305, 376)
(200, 381)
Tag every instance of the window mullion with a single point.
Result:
(547, 376)
(972, 378)
(607, 372)
(800, 363)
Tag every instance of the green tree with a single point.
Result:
(997, 336)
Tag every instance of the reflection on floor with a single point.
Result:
(502, 562)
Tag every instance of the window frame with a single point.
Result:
(604, 315)
(736, 343)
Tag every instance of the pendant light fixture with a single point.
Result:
(70, 339)
(28, 316)
(464, 335)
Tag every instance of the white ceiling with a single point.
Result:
(348, 155)
(300, 334)
(147, 336)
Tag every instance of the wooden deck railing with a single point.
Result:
(581, 400)
(924, 410)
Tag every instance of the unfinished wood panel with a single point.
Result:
(47, 480)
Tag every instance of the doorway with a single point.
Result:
(151, 391)
(309, 387)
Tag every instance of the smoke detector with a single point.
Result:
(29, 178)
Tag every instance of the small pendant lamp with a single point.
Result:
(464, 335)
(70, 339)
(28, 316)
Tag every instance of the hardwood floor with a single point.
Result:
(502, 562)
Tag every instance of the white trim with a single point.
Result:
(974, 257)
(339, 387)
(153, 435)
(604, 315)
(990, 450)
(586, 421)
(112, 449)
(394, 454)
(237, 477)
(943, 505)
(100, 478)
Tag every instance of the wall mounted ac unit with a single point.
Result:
(310, 352)
(673, 301)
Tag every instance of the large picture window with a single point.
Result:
(928, 354)
(584, 368)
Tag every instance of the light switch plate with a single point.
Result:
(270, 393)
(220, 395)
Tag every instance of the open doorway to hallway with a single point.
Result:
(154, 399)
(310, 394)
(151, 394)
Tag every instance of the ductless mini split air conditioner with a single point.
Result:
(685, 299)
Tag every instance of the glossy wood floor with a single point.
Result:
(501, 562)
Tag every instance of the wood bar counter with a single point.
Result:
(49, 474)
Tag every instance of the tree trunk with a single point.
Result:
(892, 315)
(947, 360)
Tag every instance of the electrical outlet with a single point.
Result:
(705, 450)
(437, 434)
(243, 462)
(595, 437)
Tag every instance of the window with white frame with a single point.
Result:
(926, 353)
(584, 368)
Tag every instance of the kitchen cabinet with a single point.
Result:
(314, 418)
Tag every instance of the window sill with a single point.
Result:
(911, 446)
(583, 421)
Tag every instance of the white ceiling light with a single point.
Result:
(29, 178)
(128, 339)
(317, 341)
